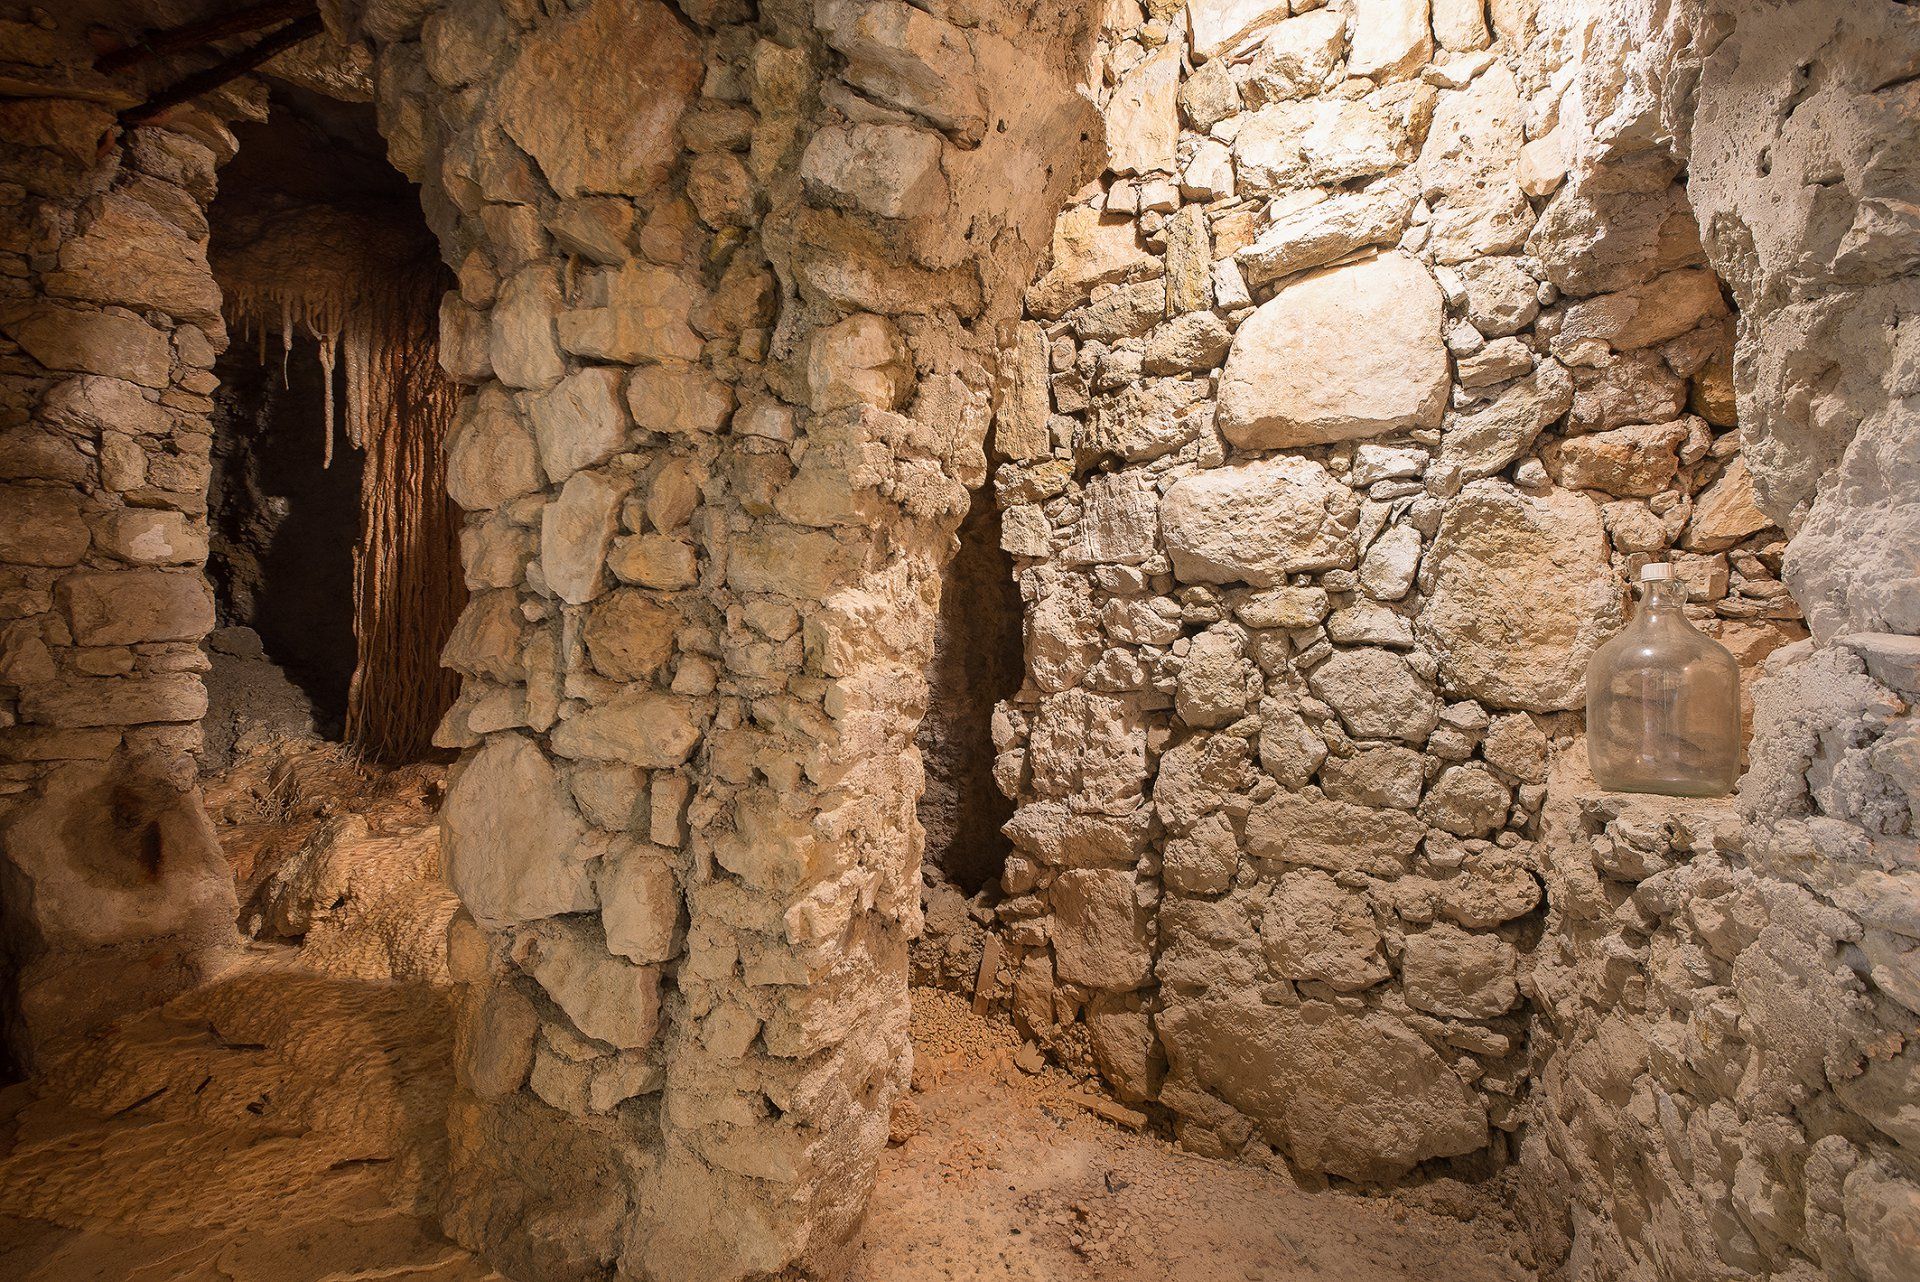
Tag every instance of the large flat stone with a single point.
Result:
(596, 98)
(1258, 522)
(1346, 353)
(1519, 593)
(510, 836)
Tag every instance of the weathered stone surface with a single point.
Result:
(128, 607)
(1308, 830)
(1377, 695)
(1216, 684)
(1515, 744)
(638, 726)
(1088, 249)
(1258, 522)
(509, 835)
(1466, 801)
(1490, 439)
(75, 340)
(1142, 122)
(1326, 232)
(607, 998)
(1519, 592)
(596, 98)
(575, 530)
(1297, 57)
(1725, 512)
(118, 701)
(521, 341)
(1090, 746)
(1315, 930)
(639, 904)
(1467, 170)
(1449, 971)
(1329, 141)
(128, 254)
(1388, 569)
(629, 635)
(578, 422)
(1391, 38)
(146, 536)
(1385, 776)
(678, 399)
(890, 171)
(1296, 376)
(1217, 27)
(1638, 461)
(41, 526)
(1118, 522)
(1101, 926)
(908, 58)
(1363, 1098)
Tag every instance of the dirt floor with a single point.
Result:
(286, 1122)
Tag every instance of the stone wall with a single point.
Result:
(728, 280)
(114, 890)
(1335, 428)
(1727, 996)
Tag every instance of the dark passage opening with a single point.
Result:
(331, 278)
(282, 532)
(977, 662)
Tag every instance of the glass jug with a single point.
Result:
(1663, 701)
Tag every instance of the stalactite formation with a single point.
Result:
(379, 324)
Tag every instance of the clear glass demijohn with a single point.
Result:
(1663, 701)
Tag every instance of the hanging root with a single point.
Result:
(382, 324)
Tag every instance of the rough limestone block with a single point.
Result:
(1519, 593)
(1350, 352)
(509, 833)
(1258, 522)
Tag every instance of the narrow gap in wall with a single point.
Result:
(976, 663)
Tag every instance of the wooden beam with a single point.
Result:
(195, 34)
(220, 73)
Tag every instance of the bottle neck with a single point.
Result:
(1663, 600)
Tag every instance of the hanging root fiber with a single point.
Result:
(378, 327)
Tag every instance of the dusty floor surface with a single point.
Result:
(286, 1122)
(285, 1127)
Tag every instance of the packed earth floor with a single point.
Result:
(287, 1121)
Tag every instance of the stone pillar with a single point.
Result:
(725, 340)
(114, 886)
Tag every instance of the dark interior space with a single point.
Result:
(977, 662)
(282, 532)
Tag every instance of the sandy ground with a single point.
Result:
(284, 1127)
(286, 1122)
(1020, 1175)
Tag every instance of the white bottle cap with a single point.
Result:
(1655, 570)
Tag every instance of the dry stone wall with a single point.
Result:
(729, 276)
(114, 889)
(1333, 430)
(1727, 1001)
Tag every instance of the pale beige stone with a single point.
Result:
(578, 422)
(1300, 372)
(596, 97)
(1519, 592)
(1142, 121)
(1258, 522)
(640, 727)
(509, 835)
(575, 529)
